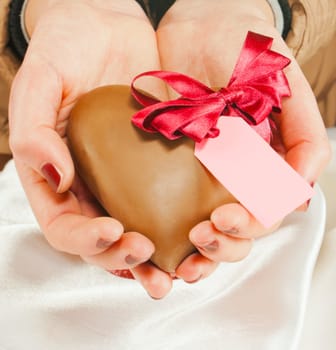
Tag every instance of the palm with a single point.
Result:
(110, 48)
(216, 39)
(201, 42)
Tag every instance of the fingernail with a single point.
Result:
(131, 260)
(195, 280)
(52, 176)
(231, 230)
(154, 298)
(211, 247)
(103, 243)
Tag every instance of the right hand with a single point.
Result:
(77, 46)
(217, 30)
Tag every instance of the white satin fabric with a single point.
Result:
(49, 300)
(319, 331)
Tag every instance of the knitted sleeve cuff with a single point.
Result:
(282, 15)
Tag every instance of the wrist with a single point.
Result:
(266, 11)
(259, 9)
(33, 10)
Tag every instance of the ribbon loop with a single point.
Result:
(255, 90)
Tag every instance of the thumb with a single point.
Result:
(35, 100)
(303, 132)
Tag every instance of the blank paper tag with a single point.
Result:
(248, 167)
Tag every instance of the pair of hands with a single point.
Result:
(79, 45)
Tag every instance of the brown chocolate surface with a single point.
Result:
(150, 184)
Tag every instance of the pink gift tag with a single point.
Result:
(252, 171)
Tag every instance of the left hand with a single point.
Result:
(203, 40)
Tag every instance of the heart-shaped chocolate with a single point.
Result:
(150, 184)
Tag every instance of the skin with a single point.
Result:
(211, 58)
(116, 39)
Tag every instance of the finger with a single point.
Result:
(62, 219)
(302, 129)
(217, 246)
(130, 250)
(195, 267)
(35, 99)
(234, 220)
(83, 236)
(156, 282)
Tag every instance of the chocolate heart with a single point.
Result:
(151, 185)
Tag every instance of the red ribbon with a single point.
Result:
(254, 91)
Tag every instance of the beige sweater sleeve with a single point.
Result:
(8, 63)
(8, 67)
(313, 26)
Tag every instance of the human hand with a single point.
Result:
(203, 40)
(77, 46)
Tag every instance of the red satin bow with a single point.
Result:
(254, 91)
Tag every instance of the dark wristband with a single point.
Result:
(287, 16)
(17, 40)
(155, 9)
